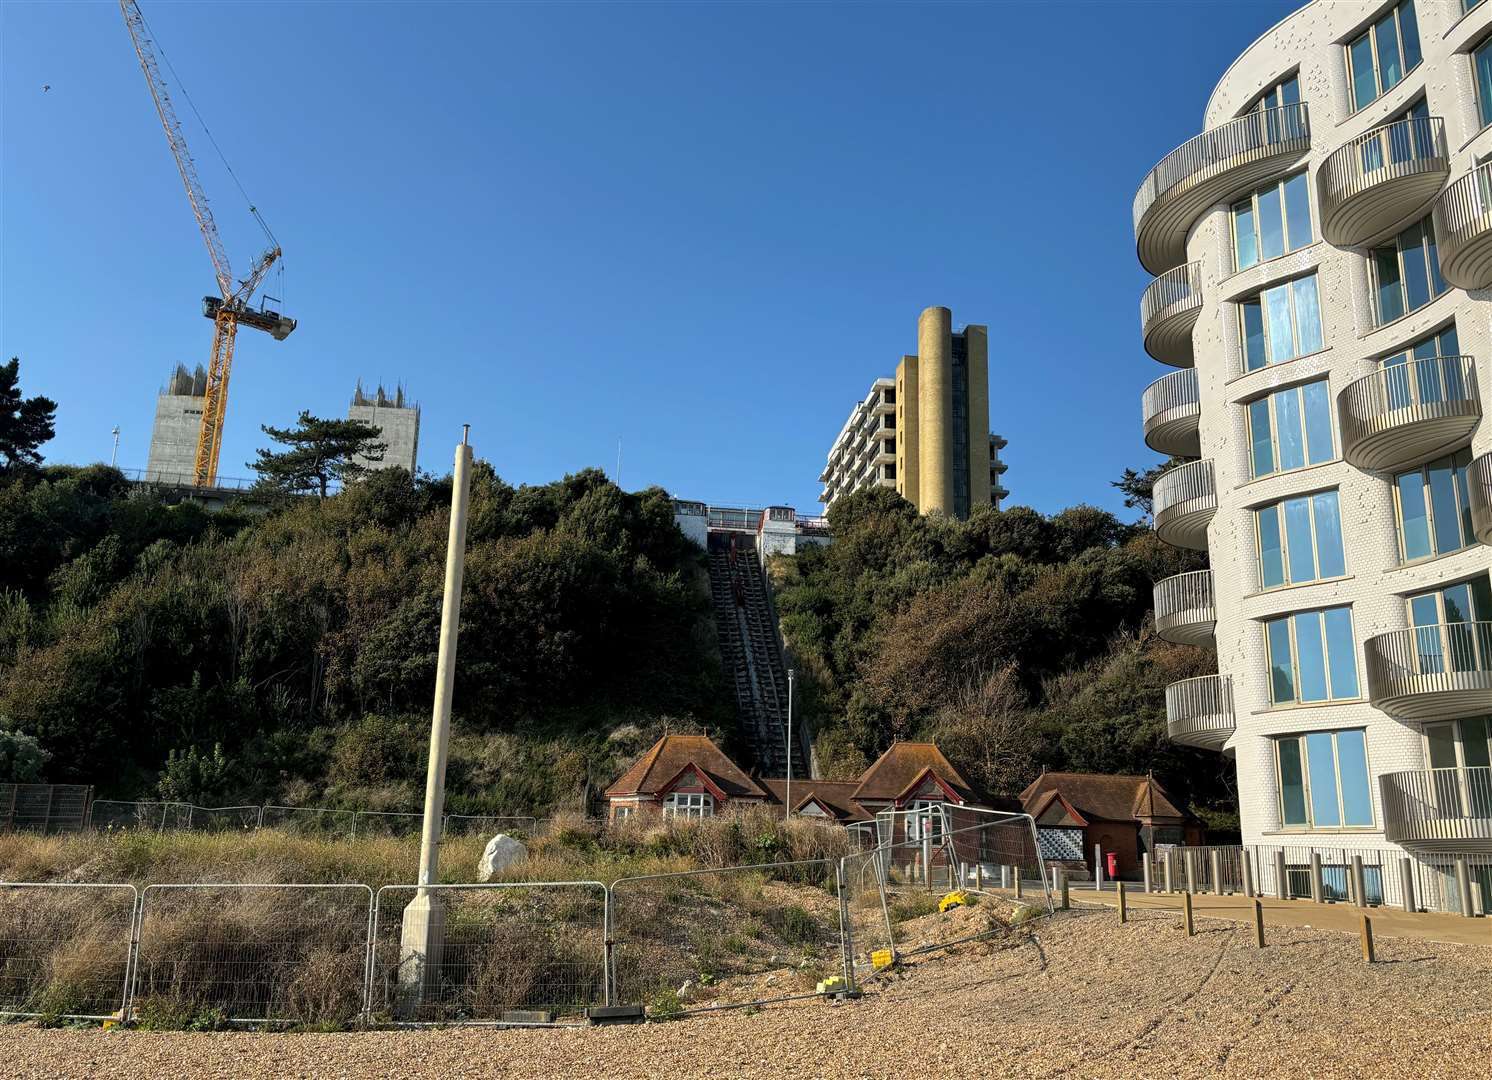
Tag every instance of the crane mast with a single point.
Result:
(232, 305)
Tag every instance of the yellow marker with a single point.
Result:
(954, 899)
(882, 958)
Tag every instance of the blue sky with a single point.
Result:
(701, 229)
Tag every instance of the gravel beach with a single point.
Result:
(1080, 995)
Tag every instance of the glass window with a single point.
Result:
(680, 804)
(1291, 428)
(1435, 507)
(1273, 220)
(1281, 323)
(1452, 627)
(1407, 272)
(1481, 62)
(1380, 58)
(1312, 656)
(1324, 780)
(1285, 92)
(1312, 540)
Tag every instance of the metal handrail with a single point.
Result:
(1184, 599)
(1406, 393)
(1178, 390)
(1479, 481)
(1437, 804)
(1171, 293)
(1463, 211)
(1272, 130)
(1184, 484)
(1200, 706)
(1429, 659)
(1403, 148)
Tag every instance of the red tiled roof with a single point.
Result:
(1110, 798)
(671, 755)
(902, 765)
(837, 795)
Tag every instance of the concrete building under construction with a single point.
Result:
(398, 422)
(178, 420)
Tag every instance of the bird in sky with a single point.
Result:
(46, 87)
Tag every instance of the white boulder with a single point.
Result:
(501, 852)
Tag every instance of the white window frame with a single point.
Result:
(1278, 509)
(1371, 35)
(1427, 227)
(1289, 619)
(1305, 782)
(1252, 198)
(1258, 299)
(699, 804)
(1274, 428)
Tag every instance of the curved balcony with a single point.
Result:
(1184, 501)
(1479, 480)
(1199, 712)
(1438, 808)
(1168, 311)
(1172, 409)
(1410, 412)
(1382, 179)
(1184, 608)
(1463, 229)
(1437, 672)
(1206, 169)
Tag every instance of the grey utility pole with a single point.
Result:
(789, 797)
(423, 927)
(114, 457)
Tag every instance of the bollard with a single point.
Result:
(1055, 872)
(1463, 887)
(1281, 879)
(1365, 928)
(1123, 906)
(979, 877)
(1145, 869)
(1217, 872)
(1186, 914)
(1246, 862)
(1359, 889)
(1097, 867)
(1065, 903)
(1406, 883)
(1258, 923)
(1167, 872)
(1317, 888)
(1191, 871)
(1004, 876)
(1015, 872)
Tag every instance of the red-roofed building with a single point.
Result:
(1128, 815)
(684, 776)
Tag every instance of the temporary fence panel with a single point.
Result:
(223, 818)
(308, 821)
(530, 946)
(44, 808)
(255, 953)
(733, 936)
(869, 935)
(386, 823)
(488, 825)
(65, 949)
(107, 815)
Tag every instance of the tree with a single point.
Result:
(21, 757)
(989, 729)
(1139, 487)
(321, 452)
(25, 423)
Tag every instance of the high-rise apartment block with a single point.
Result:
(926, 432)
(178, 420)
(1323, 253)
(398, 422)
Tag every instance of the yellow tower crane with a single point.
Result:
(231, 307)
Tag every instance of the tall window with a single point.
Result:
(1451, 627)
(1386, 52)
(1291, 429)
(1312, 657)
(1429, 372)
(680, 804)
(1450, 748)
(1406, 137)
(1285, 92)
(1434, 505)
(1324, 780)
(1273, 220)
(1406, 272)
(1281, 323)
(1481, 65)
(1300, 540)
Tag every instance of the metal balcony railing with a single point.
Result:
(1409, 412)
(1199, 712)
(1430, 806)
(1479, 480)
(1431, 672)
(1168, 311)
(1382, 178)
(1184, 608)
(1184, 500)
(1171, 409)
(1463, 229)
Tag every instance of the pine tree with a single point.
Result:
(321, 452)
(25, 423)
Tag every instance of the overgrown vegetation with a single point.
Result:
(1014, 639)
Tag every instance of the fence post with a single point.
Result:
(1317, 890)
(846, 939)
(1004, 876)
(1365, 929)
(1281, 880)
(1406, 883)
(1258, 922)
(1097, 867)
(1246, 863)
(1217, 872)
(1123, 906)
(1054, 878)
(1463, 887)
(1166, 871)
(1016, 873)
(1066, 905)
(1359, 891)
(1191, 870)
(979, 877)
(1186, 914)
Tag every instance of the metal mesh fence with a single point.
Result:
(111, 814)
(65, 949)
(738, 935)
(531, 946)
(488, 824)
(386, 823)
(308, 821)
(223, 818)
(283, 953)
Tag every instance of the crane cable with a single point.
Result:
(221, 156)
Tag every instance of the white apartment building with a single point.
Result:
(1323, 261)
(864, 454)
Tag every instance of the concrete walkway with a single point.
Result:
(1387, 921)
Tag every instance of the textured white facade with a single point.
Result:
(1312, 44)
(864, 453)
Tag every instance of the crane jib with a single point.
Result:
(271, 322)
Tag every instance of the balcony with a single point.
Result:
(1408, 413)
(1199, 712)
(1382, 179)
(1184, 609)
(1437, 672)
(1463, 229)
(1184, 501)
(1168, 311)
(1171, 411)
(1446, 808)
(1207, 169)
(1479, 479)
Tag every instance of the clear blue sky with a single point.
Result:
(700, 228)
